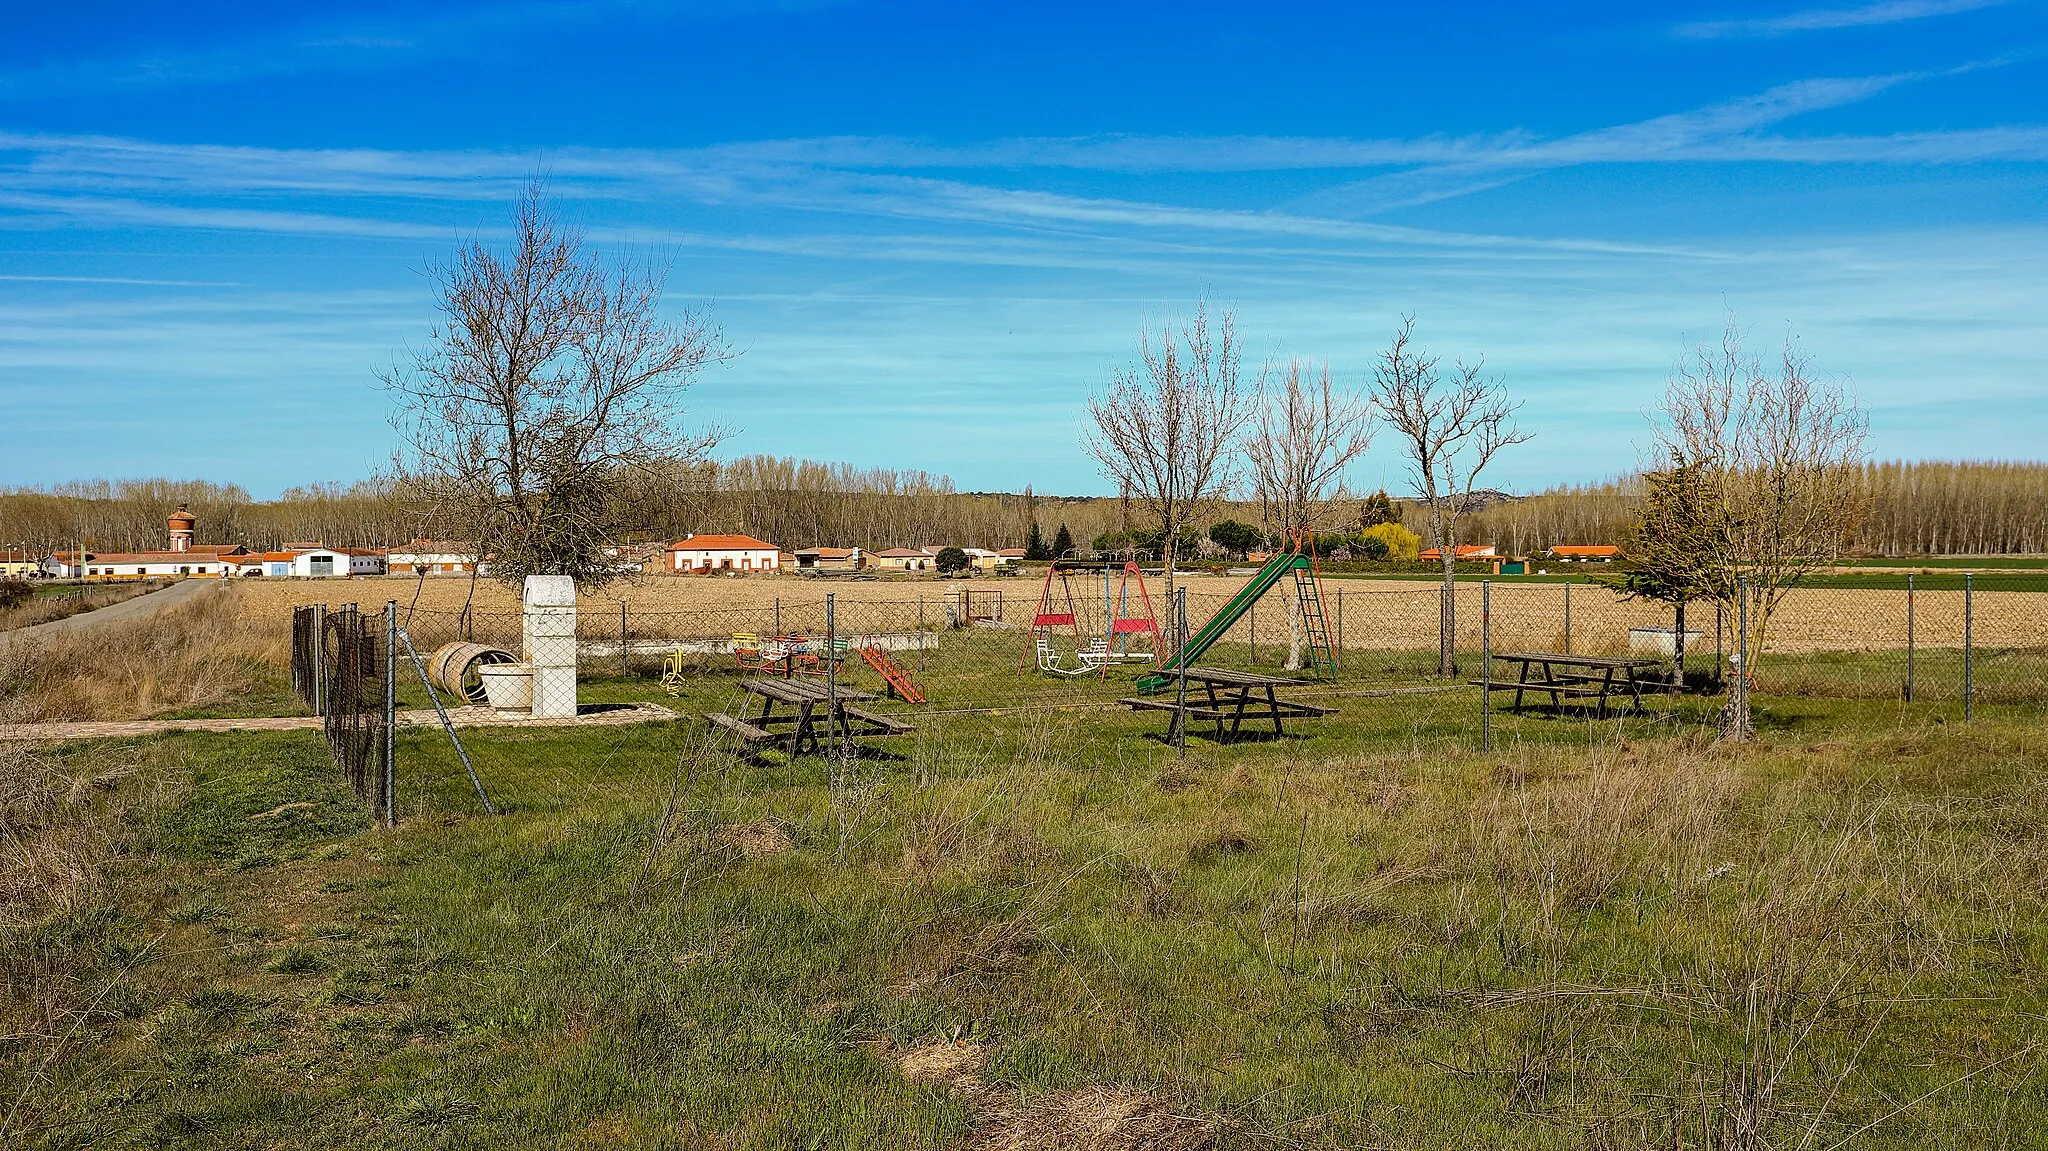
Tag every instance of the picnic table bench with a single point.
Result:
(1229, 698)
(1575, 678)
(802, 714)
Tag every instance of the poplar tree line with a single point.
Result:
(1918, 508)
(1933, 507)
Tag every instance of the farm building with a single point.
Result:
(1586, 553)
(310, 563)
(695, 554)
(431, 556)
(831, 559)
(182, 558)
(19, 564)
(906, 560)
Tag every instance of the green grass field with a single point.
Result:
(1602, 934)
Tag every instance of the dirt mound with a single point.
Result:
(756, 840)
(1093, 1119)
(954, 1063)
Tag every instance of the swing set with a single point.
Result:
(1130, 628)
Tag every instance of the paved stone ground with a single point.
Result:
(598, 716)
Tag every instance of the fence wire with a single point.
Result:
(981, 650)
(339, 666)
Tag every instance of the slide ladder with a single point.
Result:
(897, 679)
(1322, 658)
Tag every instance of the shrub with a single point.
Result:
(14, 593)
(951, 560)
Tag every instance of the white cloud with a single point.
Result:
(1826, 19)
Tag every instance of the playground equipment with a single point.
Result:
(1299, 559)
(1129, 634)
(785, 655)
(899, 681)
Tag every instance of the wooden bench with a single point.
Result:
(888, 724)
(1572, 677)
(1228, 698)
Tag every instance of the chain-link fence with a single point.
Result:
(948, 671)
(1917, 638)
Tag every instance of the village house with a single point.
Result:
(988, 562)
(1586, 553)
(1467, 553)
(21, 564)
(434, 557)
(831, 559)
(906, 560)
(705, 554)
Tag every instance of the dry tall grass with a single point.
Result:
(186, 656)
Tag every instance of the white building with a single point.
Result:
(706, 554)
(435, 557)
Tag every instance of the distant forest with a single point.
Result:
(1929, 508)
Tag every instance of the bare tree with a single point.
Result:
(1780, 455)
(1450, 431)
(1164, 426)
(1304, 436)
(552, 381)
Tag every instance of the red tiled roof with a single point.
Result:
(828, 553)
(1011, 553)
(145, 558)
(905, 553)
(1462, 551)
(721, 543)
(1585, 550)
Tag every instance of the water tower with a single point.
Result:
(182, 523)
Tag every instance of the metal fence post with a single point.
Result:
(778, 617)
(1337, 656)
(320, 659)
(1567, 615)
(1252, 624)
(1180, 692)
(1909, 638)
(1486, 665)
(625, 668)
(1969, 652)
(390, 713)
(831, 683)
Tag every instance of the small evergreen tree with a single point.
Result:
(1233, 536)
(951, 560)
(1034, 546)
(1062, 542)
(1378, 508)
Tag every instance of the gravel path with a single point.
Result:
(603, 716)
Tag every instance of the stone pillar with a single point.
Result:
(550, 634)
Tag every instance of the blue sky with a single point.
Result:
(932, 227)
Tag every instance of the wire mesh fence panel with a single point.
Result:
(338, 666)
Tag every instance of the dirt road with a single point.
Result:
(140, 607)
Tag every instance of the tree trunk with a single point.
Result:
(1447, 622)
(1678, 648)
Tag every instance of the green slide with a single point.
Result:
(1279, 565)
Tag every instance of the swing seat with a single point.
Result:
(1051, 661)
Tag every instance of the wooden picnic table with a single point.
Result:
(1564, 677)
(802, 714)
(1229, 698)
